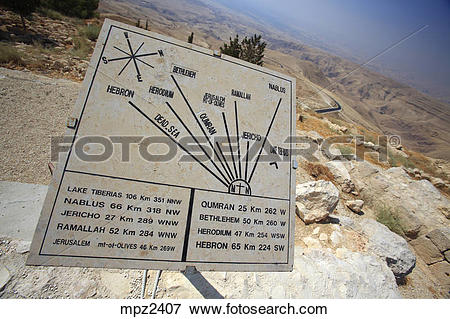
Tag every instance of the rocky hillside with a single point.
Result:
(60, 46)
(57, 46)
(369, 99)
(364, 229)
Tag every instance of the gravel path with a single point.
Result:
(34, 108)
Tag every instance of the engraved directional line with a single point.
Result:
(225, 160)
(196, 141)
(199, 125)
(229, 142)
(264, 142)
(237, 136)
(246, 161)
(177, 143)
(132, 56)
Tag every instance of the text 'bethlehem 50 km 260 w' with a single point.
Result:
(179, 158)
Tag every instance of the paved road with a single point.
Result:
(331, 109)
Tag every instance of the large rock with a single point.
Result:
(426, 250)
(419, 205)
(441, 272)
(437, 182)
(331, 152)
(364, 170)
(341, 175)
(445, 211)
(336, 238)
(4, 277)
(312, 242)
(311, 135)
(441, 238)
(388, 246)
(355, 205)
(23, 246)
(410, 223)
(316, 274)
(316, 200)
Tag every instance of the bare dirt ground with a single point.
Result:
(34, 109)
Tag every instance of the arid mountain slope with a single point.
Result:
(369, 98)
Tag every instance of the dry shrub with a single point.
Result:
(313, 122)
(81, 47)
(318, 171)
(389, 217)
(9, 54)
(90, 31)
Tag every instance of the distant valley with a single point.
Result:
(368, 98)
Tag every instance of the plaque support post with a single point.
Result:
(155, 286)
(144, 284)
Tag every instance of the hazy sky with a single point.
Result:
(367, 27)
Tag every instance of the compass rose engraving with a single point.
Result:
(132, 56)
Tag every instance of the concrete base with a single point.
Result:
(20, 207)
